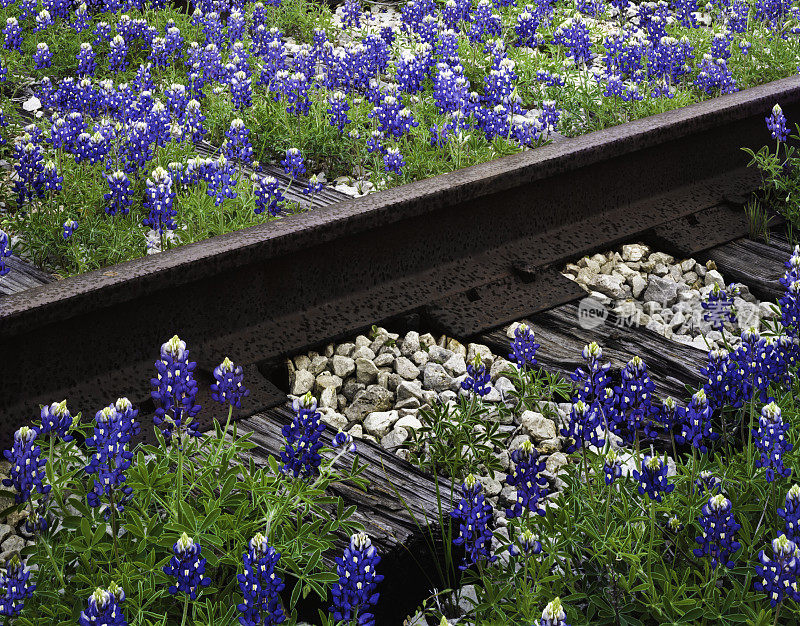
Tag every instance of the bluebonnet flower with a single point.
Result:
(790, 309)
(314, 186)
(293, 163)
(526, 544)
(29, 168)
(42, 58)
(776, 123)
(187, 567)
(393, 161)
(593, 380)
(69, 228)
(3, 120)
(526, 26)
(104, 608)
(474, 515)
(696, 426)
(653, 478)
(222, 180)
(523, 347)
(719, 305)
(27, 468)
(790, 513)
(338, 110)
(792, 272)
(118, 54)
(260, 585)
(718, 527)
(86, 62)
(635, 398)
(300, 453)
(356, 590)
(159, 200)
(241, 90)
(584, 421)
(228, 388)
(193, 121)
(120, 195)
(528, 479)
(43, 21)
(714, 76)
(778, 575)
(771, 442)
(612, 467)
(175, 391)
(237, 146)
(5, 252)
(351, 13)
(553, 615)
(16, 586)
(128, 415)
(721, 387)
(266, 190)
(80, 18)
(56, 421)
(706, 482)
(13, 35)
(111, 458)
(574, 36)
(295, 87)
(477, 380)
(668, 414)
(485, 23)
(344, 441)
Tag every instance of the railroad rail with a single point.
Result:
(468, 250)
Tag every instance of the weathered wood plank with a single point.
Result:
(672, 365)
(22, 276)
(398, 509)
(753, 263)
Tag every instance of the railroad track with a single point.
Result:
(460, 254)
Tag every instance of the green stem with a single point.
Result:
(777, 614)
(652, 537)
(185, 609)
(53, 563)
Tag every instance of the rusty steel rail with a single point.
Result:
(471, 249)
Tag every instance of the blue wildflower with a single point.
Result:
(175, 392)
(528, 479)
(584, 421)
(718, 527)
(790, 513)
(300, 453)
(293, 163)
(771, 442)
(228, 388)
(393, 161)
(525, 544)
(612, 467)
(260, 585)
(524, 347)
(187, 567)
(708, 483)
(553, 615)
(110, 459)
(56, 421)
(696, 426)
(477, 380)
(27, 468)
(778, 575)
(268, 195)
(104, 608)
(474, 515)
(159, 200)
(653, 478)
(344, 441)
(776, 123)
(69, 228)
(356, 590)
(16, 587)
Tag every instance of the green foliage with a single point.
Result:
(214, 491)
(780, 182)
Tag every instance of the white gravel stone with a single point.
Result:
(713, 277)
(633, 252)
(302, 382)
(410, 343)
(406, 369)
(455, 365)
(335, 420)
(343, 366)
(373, 398)
(537, 426)
(435, 377)
(380, 423)
(409, 422)
(366, 371)
(395, 438)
